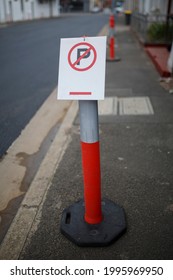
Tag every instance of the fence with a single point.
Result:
(156, 29)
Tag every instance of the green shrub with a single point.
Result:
(160, 32)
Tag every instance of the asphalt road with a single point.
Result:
(29, 54)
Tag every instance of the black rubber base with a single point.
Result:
(81, 233)
(113, 60)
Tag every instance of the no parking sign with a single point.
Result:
(92, 221)
(82, 68)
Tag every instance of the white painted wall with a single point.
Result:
(147, 6)
(27, 13)
(2, 11)
(159, 5)
(16, 10)
(13, 10)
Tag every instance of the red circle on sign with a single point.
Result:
(74, 63)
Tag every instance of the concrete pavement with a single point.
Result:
(136, 137)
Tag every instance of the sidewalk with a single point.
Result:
(159, 55)
(136, 138)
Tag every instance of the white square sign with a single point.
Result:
(82, 68)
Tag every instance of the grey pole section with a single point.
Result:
(89, 129)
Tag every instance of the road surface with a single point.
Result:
(29, 54)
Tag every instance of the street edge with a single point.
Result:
(14, 241)
(16, 236)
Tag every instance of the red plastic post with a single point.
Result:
(112, 39)
(112, 48)
(89, 134)
(92, 182)
(111, 21)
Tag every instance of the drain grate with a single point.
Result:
(126, 106)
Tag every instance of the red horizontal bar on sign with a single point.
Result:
(80, 93)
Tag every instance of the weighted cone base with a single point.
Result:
(113, 59)
(74, 227)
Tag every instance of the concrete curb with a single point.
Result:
(21, 225)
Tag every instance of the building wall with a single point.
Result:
(2, 11)
(128, 5)
(27, 11)
(147, 6)
(17, 10)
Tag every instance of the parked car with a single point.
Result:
(119, 10)
(96, 9)
(119, 7)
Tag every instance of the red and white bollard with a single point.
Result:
(90, 148)
(112, 52)
(112, 38)
(92, 221)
